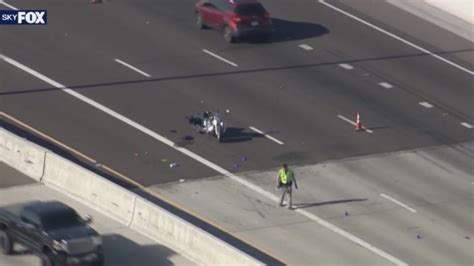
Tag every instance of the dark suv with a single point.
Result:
(53, 230)
(236, 18)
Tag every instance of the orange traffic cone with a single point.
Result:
(358, 125)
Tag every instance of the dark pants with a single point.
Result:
(286, 189)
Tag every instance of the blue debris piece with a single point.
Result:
(346, 213)
(243, 158)
(236, 165)
(173, 165)
(418, 236)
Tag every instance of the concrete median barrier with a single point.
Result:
(119, 203)
(186, 238)
(85, 185)
(22, 155)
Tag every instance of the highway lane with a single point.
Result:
(451, 89)
(225, 89)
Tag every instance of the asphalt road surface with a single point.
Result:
(122, 246)
(147, 61)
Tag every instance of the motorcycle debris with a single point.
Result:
(188, 137)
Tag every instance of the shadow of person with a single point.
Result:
(285, 30)
(315, 204)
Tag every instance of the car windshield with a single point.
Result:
(254, 9)
(60, 219)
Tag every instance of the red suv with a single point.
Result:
(236, 18)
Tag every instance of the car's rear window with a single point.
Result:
(254, 9)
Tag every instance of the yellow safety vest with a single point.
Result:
(285, 177)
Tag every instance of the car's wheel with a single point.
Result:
(6, 243)
(199, 22)
(228, 37)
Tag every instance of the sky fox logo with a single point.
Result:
(23, 17)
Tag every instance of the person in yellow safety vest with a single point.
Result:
(286, 177)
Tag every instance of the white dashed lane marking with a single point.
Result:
(220, 58)
(386, 85)
(346, 66)
(426, 104)
(266, 135)
(464, 124)
(132, 68)
(306, 47)
(398, 202)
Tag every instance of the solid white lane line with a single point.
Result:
(397, 37)
(346, 66)
(386, 85)
(464, 124)
(306, 47)
(266, 135)
(8, 5)
(198, 158)
(220, 58)
(398, 203)
(133, 68)
(354, 123)
(426, 104)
